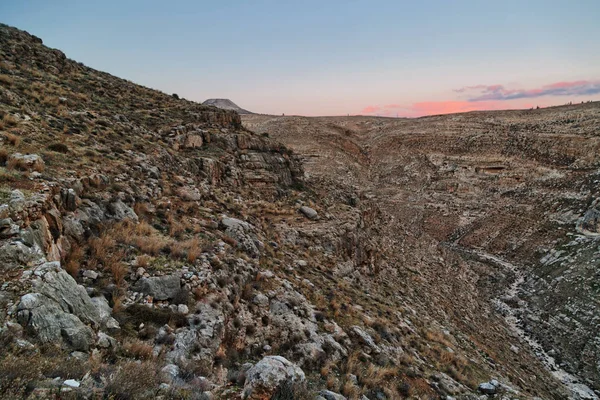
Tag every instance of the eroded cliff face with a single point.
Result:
(151, 246)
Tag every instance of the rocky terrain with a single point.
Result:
(512, 194)
(226, 104)
(153, 247)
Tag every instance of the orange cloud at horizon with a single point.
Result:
(453, 106)
(434, 108)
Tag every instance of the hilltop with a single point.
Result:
(226, 104)
(153, 247)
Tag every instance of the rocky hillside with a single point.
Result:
(152, 247)
(226, 104)
(481, 208)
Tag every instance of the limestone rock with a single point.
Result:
(329, 395)
(264, 378)
(308, 212)
(159, 287)
(26, 161)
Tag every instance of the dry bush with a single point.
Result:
(12, 164)
(142, 210)
(143, 261)
(19, 369)
(149, 244)
(3, 156)
(375, 376)
(9, 120)
(138, 313)
(50, 100)
(138, 349)
(189, 249)
(439, 337)
(176, 227)
(58, 147)
(6, 80)
(292, 390)
(73, 261)
(101, 247)
(39, 167)
(12, 139)
(118, 269)
(229, 240)
(350, 390)
(332, 383)
(133, 381)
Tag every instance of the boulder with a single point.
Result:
(308, 212)
(16, 254)
(365, 338)
(58, 309)
(26, 161)
(159, 287)
(270, 373)
(8, 228)
(192, 141)
(59, 287)
(329, 395)
(243, 233)
(119, 211)
(51, 324)
(487, 388)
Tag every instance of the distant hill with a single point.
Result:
(226, 104)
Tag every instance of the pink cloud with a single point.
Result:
(500, 93)
(451, 107)
(370, 109)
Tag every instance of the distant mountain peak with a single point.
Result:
(226, 104)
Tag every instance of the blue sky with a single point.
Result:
(334, 57)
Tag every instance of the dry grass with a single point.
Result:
(73, 262)
(189, 249)
(144, 260)
(133, 381)
(9, 120)
(6, 80)
(12, 139)
(138, 349)
(3, 156)
(350, 390)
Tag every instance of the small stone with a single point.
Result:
(487, 388)
(72, 383)
(261, 300)
(183, 309)
(88, 273)
(170, 371)
(329, 395)
(308, 212)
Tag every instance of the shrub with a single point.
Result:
(133, 381)
(138, 313)
(3, 156)
(12, 139)
(59, 147)
(138, 349)
(6, 80)
(73, 261)
(9, 120)
(292, 390)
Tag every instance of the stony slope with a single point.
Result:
(152, 247)
(515, 185)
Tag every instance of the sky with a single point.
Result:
(329, 57)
